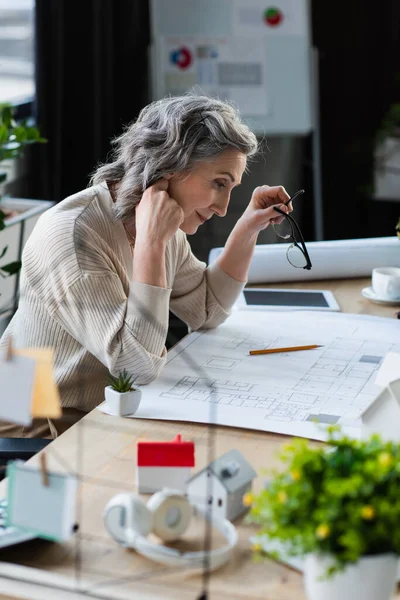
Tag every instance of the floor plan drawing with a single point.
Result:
(331, 391)
(219, 362)
(211, 377)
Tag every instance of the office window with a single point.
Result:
(17, 83)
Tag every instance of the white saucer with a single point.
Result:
(369, 293)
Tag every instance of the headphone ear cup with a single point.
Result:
(127, 516)
(171, 514)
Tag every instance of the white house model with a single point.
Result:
(163, 464)
(222, 484)
(382, 416)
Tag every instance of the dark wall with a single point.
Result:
(359, 50)
(91, 80)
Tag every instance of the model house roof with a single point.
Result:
(232, 469)
(388, 394)
(173, 453)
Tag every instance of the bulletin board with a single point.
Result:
(255, 53)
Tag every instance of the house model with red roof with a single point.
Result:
(163, 464)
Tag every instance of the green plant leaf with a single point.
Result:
(15, 136)
(2, 220)
(6, 114)
(12, 268)
(123, 382)
(3, 133)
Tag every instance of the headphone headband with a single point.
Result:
(137, 524)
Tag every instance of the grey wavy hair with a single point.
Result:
(171, 135)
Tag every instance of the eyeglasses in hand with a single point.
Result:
(296, 254)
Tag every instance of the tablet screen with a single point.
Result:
(285, 298)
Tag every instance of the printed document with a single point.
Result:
(210, 377)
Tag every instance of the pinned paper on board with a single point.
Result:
(260, 18)
(27, 385)
(46, 398)
(17, 375)
(233, 69)
(49, 509)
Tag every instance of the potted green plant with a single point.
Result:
(121, 397)
(14, 137)
(17, 215)
(337, 506)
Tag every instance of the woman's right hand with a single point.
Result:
(157, 216)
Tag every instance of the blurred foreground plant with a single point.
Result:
(340, 499)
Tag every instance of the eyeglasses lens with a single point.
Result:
(283, 230)
(296, 257)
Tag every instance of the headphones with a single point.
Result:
(129, 520)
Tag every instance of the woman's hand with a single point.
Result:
(260, 212)
(157, 219)
(157, 216)
(236, 257)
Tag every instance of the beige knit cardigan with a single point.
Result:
(77, 296)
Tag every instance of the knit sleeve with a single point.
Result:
(121, 332)
(201, 296)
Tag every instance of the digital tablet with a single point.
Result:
(286, 299)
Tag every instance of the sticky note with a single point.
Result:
(16, 387)
(46, 397)
(49, 511)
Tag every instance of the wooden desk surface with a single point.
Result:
(106, 462)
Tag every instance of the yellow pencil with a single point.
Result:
(290, 349)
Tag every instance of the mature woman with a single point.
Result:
(103, 267)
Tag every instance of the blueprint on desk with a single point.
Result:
(210, 376)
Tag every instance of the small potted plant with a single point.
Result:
(121, 397)
(337, 506)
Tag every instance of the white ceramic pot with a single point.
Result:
(371, 578)
(121, 404)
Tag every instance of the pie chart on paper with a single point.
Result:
(182, 57)
(273, 16)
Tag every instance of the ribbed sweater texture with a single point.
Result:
(77, 296)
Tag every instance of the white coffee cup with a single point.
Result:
(386, 283)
